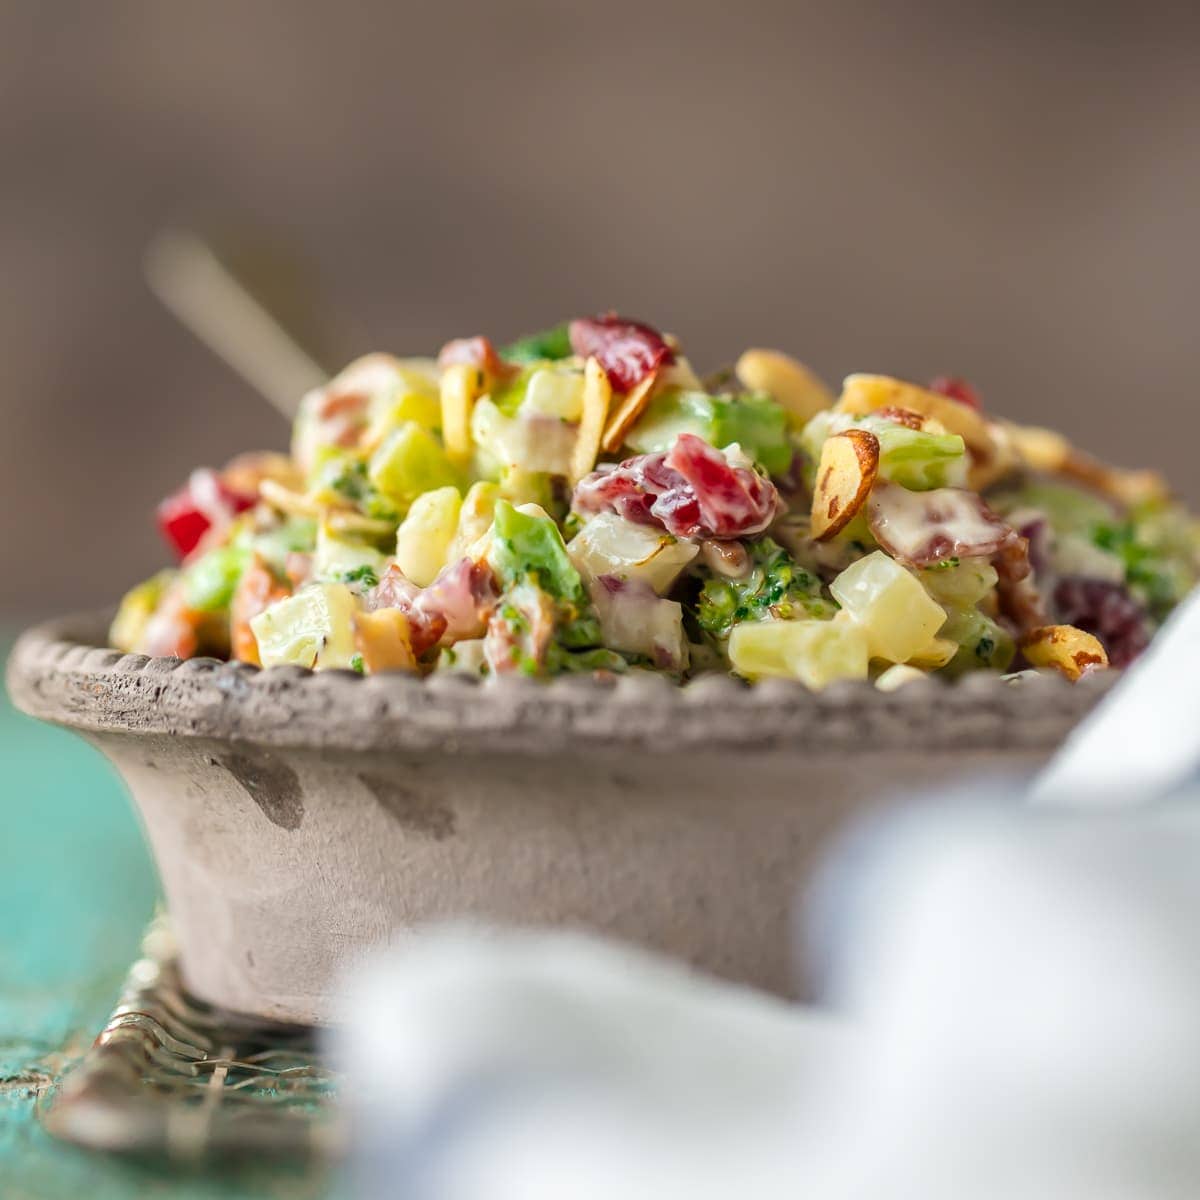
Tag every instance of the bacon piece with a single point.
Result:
(628, 351)
(463, 595)
(256, 591)
(926, 528)
(454, 606)
(923, 529)
(476, 352)
(691, 492)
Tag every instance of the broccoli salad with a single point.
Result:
(582, 501)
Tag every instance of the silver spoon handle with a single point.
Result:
(210, 301)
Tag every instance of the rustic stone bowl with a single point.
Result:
(300, 819)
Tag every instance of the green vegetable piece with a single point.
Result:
(209, 583)
(527, 545)
(983, 644)
(549, 344)
(409, 462)
(756, 422)
(776, 587)
(913, 458)
(1068, 509)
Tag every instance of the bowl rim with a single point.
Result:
(61, 671)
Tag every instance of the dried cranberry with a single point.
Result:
(691, 491)
(627, 350)
(1106, 610)
(204, 501)
(957, 389)
(476, 352)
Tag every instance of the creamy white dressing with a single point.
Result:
(928, 527)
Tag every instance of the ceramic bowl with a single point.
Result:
(300, 819)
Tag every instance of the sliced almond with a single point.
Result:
(1050, 453)
(597, 395)
(462, 385)
(348, 521)
(1065, 648)
(864, 394)
(791, 383)
(295, 504)
(848, 466)
(627, 413)
(384, 640)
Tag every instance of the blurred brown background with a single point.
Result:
(999, 191)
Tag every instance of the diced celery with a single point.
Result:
(610, 545)
(914, 458)
(409, 462)
(813, 651)
(756, 422)
(918, 460)
(961, 585)
(424, 536)
(1069, 509)
(209, 582)
(983, 644)
(896, 612)
(405, 404)
(313, 628)
(548, 344)
(531, 441)
(525, 545)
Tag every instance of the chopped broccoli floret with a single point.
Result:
(775, 587)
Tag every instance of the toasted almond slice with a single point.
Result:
(848, 466)
(462, 385)
(623, 420)
(295, 504)
(864, 394)
(597, 395)
(348, 521)
(1049, 452)
(384, 640)
(1065, 648)
(786, 380)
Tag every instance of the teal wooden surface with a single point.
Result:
(76, 890)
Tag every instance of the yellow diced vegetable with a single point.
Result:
(424, 537)
(815, 652)
(409, 463)
(555, 392)
(313, 628)
(384, 641)
(896, 612)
